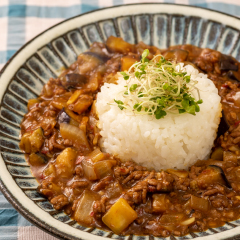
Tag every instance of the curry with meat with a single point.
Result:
(61, 140)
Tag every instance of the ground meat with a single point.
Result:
(79, 170)
(80, 184)
(59, 201)
(102, 183)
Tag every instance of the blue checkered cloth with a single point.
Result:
(20, 21)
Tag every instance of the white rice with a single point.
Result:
(176, 141)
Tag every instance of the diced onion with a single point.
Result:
(75, 134)
(96, 155)
(89, 170)
(84, 210)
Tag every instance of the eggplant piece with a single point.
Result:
(228, 63)
(88, 63)
(73, 80)
(233, 75)
(223, 126)
(212, 174)
(221, 172)
(191, 212)
(217, 154)
(63, 117)
(100, 57)
(118, 45)
(177, 54)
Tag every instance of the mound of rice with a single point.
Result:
(176, 141)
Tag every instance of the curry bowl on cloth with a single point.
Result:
(124, 28)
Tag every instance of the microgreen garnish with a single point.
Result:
(125, 75)
(158, 86)
(119, 103)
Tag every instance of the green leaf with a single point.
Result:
(191, 110)
(121, 107)
(125, 75)
(175, 89)
(161, 101)
(180, 110)
(163, 60)
(197, 108)
(120, 104)
(142, 68)
(118, 101)
(165, 86)
(133, 87)
(185, 103)
(138, 74)
(200, 101)
(160, 113)
(137, 107)
(187, 79)
(145, 54)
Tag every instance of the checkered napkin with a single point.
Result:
(20, 21)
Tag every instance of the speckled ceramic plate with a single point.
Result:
(49, 53)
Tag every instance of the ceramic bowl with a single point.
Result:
(50, 52)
